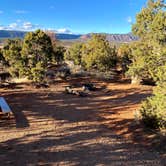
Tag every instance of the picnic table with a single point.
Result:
(5, 109)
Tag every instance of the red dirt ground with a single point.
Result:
(50, 127)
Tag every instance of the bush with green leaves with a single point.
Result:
(74, 53)
(149, 60)
(58, 54)
(124, 56)
(37, 51)
(142, 62)
(12, 56)
(153, 110)
(3, 62)
(38, 73)
(148, 53)
(98, 54)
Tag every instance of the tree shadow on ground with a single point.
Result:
(69, 130)
(84, 148)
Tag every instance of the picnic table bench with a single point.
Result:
(5, 107)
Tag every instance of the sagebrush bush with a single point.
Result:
(153, 110)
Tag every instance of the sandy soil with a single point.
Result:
(50, 127)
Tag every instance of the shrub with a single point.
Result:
(98, 54)
(37, 73)
(37, 50)
(153, 110)
(74, 53)
(12, 57)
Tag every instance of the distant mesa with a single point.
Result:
(12, 34)
(121, 37)
(62, 36)
(85, 37)
(114, 37)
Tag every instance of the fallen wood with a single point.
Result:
(68, 90)
(89, 87)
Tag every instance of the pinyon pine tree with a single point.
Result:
(37, 51)
(12, 57)
(98, 54)
(150, 60)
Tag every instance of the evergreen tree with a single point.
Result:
(98, 54)
(3, 62)
(145, 20)
(149, 53)
(58, 54)
(149, 59)
(58, 49)
(74, 53)
(12, 54)
(124, 56)
(37, 51)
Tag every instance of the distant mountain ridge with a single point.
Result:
(115, 37)
(12, 34)
(110, 37)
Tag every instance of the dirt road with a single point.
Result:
(50, 127)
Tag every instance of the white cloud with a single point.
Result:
(63, 30)
(13, 26)
(129, 19)
(2, 27)
(27, 25)
(21, 11)
(20, 25)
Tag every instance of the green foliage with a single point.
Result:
(58, 54)
(149, 60)
(37, 52)
(124, 55)
(58, 49)
(158, 28)
(153, 110)
(147, 19)
(2, 58)
(142, 63)
(12, 55)
(37, 73)
(74, 53)
(149, 53)
(98, 54)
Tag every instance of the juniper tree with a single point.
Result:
(97, 53)
(124, 56)
(37, 51)
(13, 59)
(150, 28)
(74, 53)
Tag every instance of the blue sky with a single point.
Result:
(70, 16)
